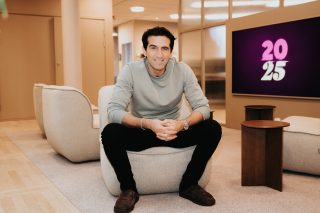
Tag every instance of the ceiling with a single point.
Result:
(155, 10)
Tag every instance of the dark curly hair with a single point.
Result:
(157, 31)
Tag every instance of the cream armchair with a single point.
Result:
(37, 105)
(301, 144)
(156, 170)
(69, 123)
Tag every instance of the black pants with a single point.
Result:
(117, 138)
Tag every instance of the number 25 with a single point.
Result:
(279, 71)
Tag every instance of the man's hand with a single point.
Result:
(174, 124)
(167, 129)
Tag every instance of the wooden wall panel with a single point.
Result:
(26, 57)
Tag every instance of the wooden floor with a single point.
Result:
(219, 113)
(23, 187)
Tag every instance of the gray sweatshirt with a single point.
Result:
(155, 97)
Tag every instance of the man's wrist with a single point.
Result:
(142, 124)
(146, 123)
(185, 124)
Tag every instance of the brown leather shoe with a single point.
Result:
(126, 201)
(198, 195)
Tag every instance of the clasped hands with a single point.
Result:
(167, 129)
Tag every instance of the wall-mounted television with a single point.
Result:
(277, 60)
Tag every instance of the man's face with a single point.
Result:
(158, 52)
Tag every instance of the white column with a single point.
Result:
(71, 43)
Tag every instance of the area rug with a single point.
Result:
(83, 185)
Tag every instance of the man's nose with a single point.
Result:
(159, 53)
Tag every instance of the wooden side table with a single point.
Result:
(261, 153)
(259, 112)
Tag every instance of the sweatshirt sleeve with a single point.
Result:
(194, 94)
(121, 96)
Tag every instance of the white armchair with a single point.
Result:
(301, 144)
(69, 123)
(156, 170)
(37, 105)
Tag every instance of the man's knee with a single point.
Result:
(111, 132)
(216, 129)
(210, 135)
(212, 128)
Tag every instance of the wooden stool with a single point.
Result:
(259, 112)
(261, 156)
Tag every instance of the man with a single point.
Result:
(154, 86)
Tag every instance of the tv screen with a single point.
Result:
(277, 60)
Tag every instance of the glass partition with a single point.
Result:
(215, 11)
(248, 7)
(191, 15)
(215, 54)
(191, 51)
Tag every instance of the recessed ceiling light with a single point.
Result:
(185, 16)
(211, 17)
(137, 9)
(174, 16)
(294, 2)
(242, 3)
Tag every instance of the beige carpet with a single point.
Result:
(82, 183)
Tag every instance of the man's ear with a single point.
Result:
(144, 51)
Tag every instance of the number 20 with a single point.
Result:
(277, 52)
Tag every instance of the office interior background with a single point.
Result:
(35, 178)
(31, 47)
